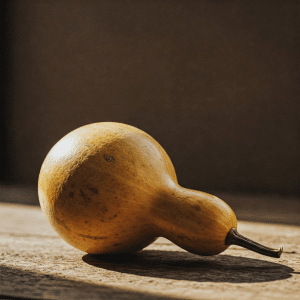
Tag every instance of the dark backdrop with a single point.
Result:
(214, 82)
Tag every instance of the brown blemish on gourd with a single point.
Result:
(82, 194)
(112, 217)
(92, 237)
(109, 158)
(197, 207)
(71, 194)
(104, 209)
(182, 237)
(62, 223)
(94, 190)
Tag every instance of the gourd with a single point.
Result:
(111, 188)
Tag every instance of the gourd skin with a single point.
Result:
(111, 188)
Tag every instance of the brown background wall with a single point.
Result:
(214, 82)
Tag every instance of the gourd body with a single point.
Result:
(111, 188)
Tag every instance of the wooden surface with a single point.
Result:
(36, 264)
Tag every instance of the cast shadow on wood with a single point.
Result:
(186, 266)
(18, 284)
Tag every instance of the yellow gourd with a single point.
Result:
(111, 188)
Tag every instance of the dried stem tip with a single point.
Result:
(234, 238)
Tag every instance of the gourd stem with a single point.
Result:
(234, 238)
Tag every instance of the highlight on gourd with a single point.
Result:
(111, 188)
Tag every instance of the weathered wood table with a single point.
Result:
(36, 264)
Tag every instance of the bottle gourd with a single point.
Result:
(111, 188)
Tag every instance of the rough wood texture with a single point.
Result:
(36, 264)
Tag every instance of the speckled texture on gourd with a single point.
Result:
(110, 188)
